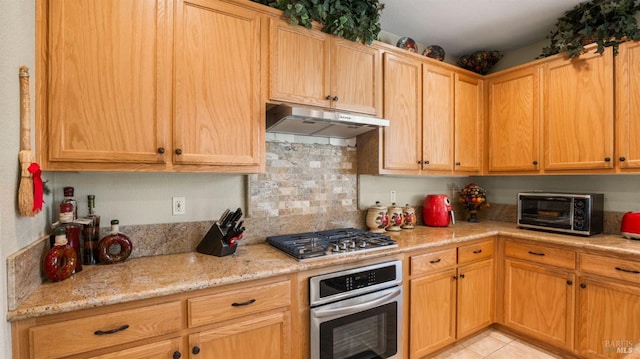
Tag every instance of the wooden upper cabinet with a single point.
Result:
(403, 104)
(578, 112)
(437, 118)
(514, 121)
(219, 116)
(104, 92)
(313, 68)
(356, 77)
(628, 105)
(469, 109)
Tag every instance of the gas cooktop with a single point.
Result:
(332, 242)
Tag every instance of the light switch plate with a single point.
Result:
(178, 206)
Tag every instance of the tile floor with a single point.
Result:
(493, 344)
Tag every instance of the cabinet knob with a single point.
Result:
(161, 150)
(178, 151)
(582, 285)
(426, 162)
(535, 163)
(419, 162)
(176, 355)
(607, 159)
(622, 159)
(328, 98)
(461, 275)
(335, 98)
(195, 350)
(569, 282)
(455, 277)
(457, 163)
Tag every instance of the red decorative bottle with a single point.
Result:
(68, 198)
(60, 261)
(115, 247)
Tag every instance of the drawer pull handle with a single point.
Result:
(435, 261)
(250, 301)
(536, 253)
(627, 270)
(112, 331)
(477, 251)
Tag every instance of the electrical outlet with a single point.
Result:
(392, 197)
(179, 204)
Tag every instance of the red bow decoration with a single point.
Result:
(38, 187)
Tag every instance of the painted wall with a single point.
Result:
(17, 44)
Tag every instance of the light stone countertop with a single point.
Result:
(148, 277)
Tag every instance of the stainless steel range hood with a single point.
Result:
(313, 121)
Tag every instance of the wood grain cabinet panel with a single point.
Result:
(165, 349)
(82, 335)
(578, 112)
(514, 119)
(476, 295)
(438, 117)
(219, 116)
(469, 113)
(627, 64)
(105, 85)
(539, 302)
(403, 108)
(310, 67)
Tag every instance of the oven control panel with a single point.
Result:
(339, 285)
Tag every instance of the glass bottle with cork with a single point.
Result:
(115, 247)
(73, 231)
(68, 198)
(91, 233)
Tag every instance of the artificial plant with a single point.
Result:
(355, 20)
(605, 22)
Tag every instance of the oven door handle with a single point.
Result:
(357, 308)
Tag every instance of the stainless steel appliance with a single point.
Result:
(333, 242)
(316, 121)
(357, 313)
(580, 214)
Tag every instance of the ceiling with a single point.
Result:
(464, 26)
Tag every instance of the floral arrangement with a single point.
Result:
(473, 197)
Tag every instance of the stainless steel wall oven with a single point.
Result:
(357, 313)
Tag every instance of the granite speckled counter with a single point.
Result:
(148, 277)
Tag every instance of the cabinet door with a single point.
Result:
(219, 117)
(166, 349)
(468, 123)
(539, 302)
(513, 135)
(402, 107)
(299, 64)
(475, 297)
(437, 118)
(356, 77)
(258, 337)
(432, 316)
(108, 82)
(608, 325)
(628, 105)
(578, 112)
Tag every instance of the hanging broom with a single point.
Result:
(26, 202)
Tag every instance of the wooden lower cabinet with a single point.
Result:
(165, 349)
(539, 302)
(256, 337)
(449, 302)
(476, 288)
(432, 313)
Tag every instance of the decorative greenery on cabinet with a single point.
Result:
(606, 22)
(355, 20)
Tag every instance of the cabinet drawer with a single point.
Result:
(474, 252)
(610, 267)
(424, 263)
(102, 331)
(236, 303)
(541, 254)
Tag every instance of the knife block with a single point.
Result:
(212, 243)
